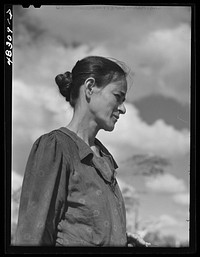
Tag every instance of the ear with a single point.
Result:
(89, 85)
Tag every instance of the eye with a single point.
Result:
(118, 97)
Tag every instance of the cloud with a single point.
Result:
(163, 223)
(38, 106)
(166, 183)
(16, 192)
(131, 132)
(16, 181)
(37, 103)
(161, 64)
(35, 110)
(166, 220)
(182, 198)
(154, 42)
(105, 23)
(128, 191)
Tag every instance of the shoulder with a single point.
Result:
(54, 140)
(54, 136)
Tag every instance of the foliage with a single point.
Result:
(147, 165)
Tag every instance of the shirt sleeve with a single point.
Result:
(43, 194)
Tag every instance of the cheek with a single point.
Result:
(108, 110)
(103, 107)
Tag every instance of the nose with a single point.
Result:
(122, 108)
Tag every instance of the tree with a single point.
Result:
(147, 165)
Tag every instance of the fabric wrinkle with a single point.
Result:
(74, 194)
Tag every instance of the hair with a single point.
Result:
(102, 69)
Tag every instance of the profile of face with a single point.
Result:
(107, 103)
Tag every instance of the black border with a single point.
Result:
(7, 129)
(8, 152)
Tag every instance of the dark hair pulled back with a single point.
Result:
(64, 82)
(102, 69)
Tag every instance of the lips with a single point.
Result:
(116, 117)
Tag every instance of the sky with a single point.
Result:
(154, 43)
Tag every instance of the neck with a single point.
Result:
(84, 126)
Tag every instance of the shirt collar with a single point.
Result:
(106, 153)
(85, 150)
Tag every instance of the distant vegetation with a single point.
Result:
(148, 165)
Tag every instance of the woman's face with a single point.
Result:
(107, 104)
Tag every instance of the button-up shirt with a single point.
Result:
(70, 197)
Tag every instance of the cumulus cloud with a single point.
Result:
(39, 107)
(133, 132)
(37, 103)
(129, 193)
(16, 192)
(155, 43)
(166, 183)
(166, 220)
(161, 63)
(162, 223)
(35, 110)
(16, 181)
(182, 198)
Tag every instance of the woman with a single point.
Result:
(70, 196)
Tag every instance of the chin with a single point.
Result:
(109, 128)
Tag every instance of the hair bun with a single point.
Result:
(64, 82)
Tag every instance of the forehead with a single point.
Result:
(120, 85)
